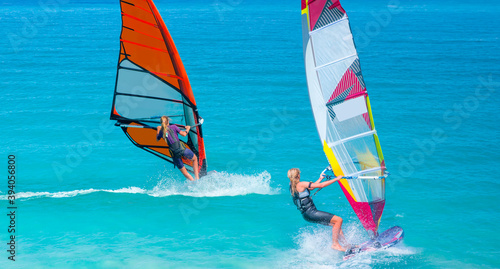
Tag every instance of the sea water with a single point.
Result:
(88, 198)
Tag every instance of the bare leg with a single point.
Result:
(336, 222)
(342, 237)
(186, 173)
(195, 167)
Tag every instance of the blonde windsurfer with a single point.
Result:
(177, 150)
(300, 191)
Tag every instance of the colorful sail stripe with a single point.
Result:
(143, 45)
(372, 125)
(167, 75)
(329, 14)
(366, 117)
(369, 214)
(351, 85)
(142, 33)
(322, 12)
(337, 170)
(139, 7)
(137, 19)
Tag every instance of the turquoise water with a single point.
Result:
(88, 198)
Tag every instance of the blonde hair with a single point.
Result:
(293, 175)
(164, 125)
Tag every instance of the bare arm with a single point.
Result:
(315, 185)
(320, 178)
(317, 181)
(184, 133)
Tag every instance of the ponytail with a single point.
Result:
(164, 125)
(293, 175)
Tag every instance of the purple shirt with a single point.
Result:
(176, 131)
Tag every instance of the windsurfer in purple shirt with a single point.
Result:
(177, 150)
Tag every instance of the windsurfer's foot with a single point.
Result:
(338, 247)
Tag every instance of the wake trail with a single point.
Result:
(213, 185)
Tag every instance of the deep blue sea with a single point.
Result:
(88, 198)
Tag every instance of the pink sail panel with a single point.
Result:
(322, 12)
(369, 214)
(348, 87)
(366, 117)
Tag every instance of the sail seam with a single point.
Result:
(125, 2)
(137, 19)
(336, 61)
(352, 138)
(158, 77)
(152, 97)
(143, 33)
(142, 45)
(147, 71)
(375, 169)
(137, 7)
(328, 25)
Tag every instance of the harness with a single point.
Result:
(177, 148)
(302, 203)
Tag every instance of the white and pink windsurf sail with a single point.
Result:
(341, 108)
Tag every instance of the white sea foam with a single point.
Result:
(217, 184)
(212, 185)
(66, 194)
(314, 250)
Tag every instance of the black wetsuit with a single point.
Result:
(305, 205)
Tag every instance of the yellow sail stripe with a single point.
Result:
(336, 168)
(306, 11)
(377, 142)
(379, 149)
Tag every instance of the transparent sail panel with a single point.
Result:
(363, 153)
(357, 155)
(133, 79)
(351, 127)
(368, 190)
(350, 136)
(337, 35)
(331, 75)
(138, 107)
(141, 83)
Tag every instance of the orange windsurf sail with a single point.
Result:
(151, 81)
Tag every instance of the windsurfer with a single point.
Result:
(300, 191)
(177, 150)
